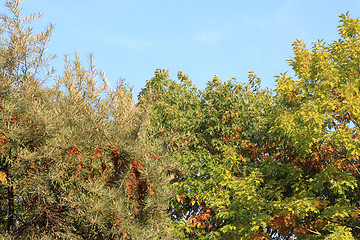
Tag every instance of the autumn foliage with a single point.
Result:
(82, 160)
(260, 164)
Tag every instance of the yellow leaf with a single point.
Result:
(3, 177)
(124, 236)
(181, 198)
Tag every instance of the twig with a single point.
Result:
(314, 232)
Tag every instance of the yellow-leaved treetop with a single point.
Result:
(318, 116)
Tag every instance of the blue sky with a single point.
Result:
(131, 38)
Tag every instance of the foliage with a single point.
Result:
(317, 117)
(260, 166)
(218, 173)
(81, 160)
(76, 161)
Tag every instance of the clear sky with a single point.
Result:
(131, 38)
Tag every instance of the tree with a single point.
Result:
(76, 159)
(254, 166)
(22, 58)
(317, 117)
(81, 160)
(217, 137)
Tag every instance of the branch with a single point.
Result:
(316, 232)
(357, 170)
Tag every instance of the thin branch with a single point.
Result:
(316, 232)
(357, 170)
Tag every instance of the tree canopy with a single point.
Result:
(82, 160)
